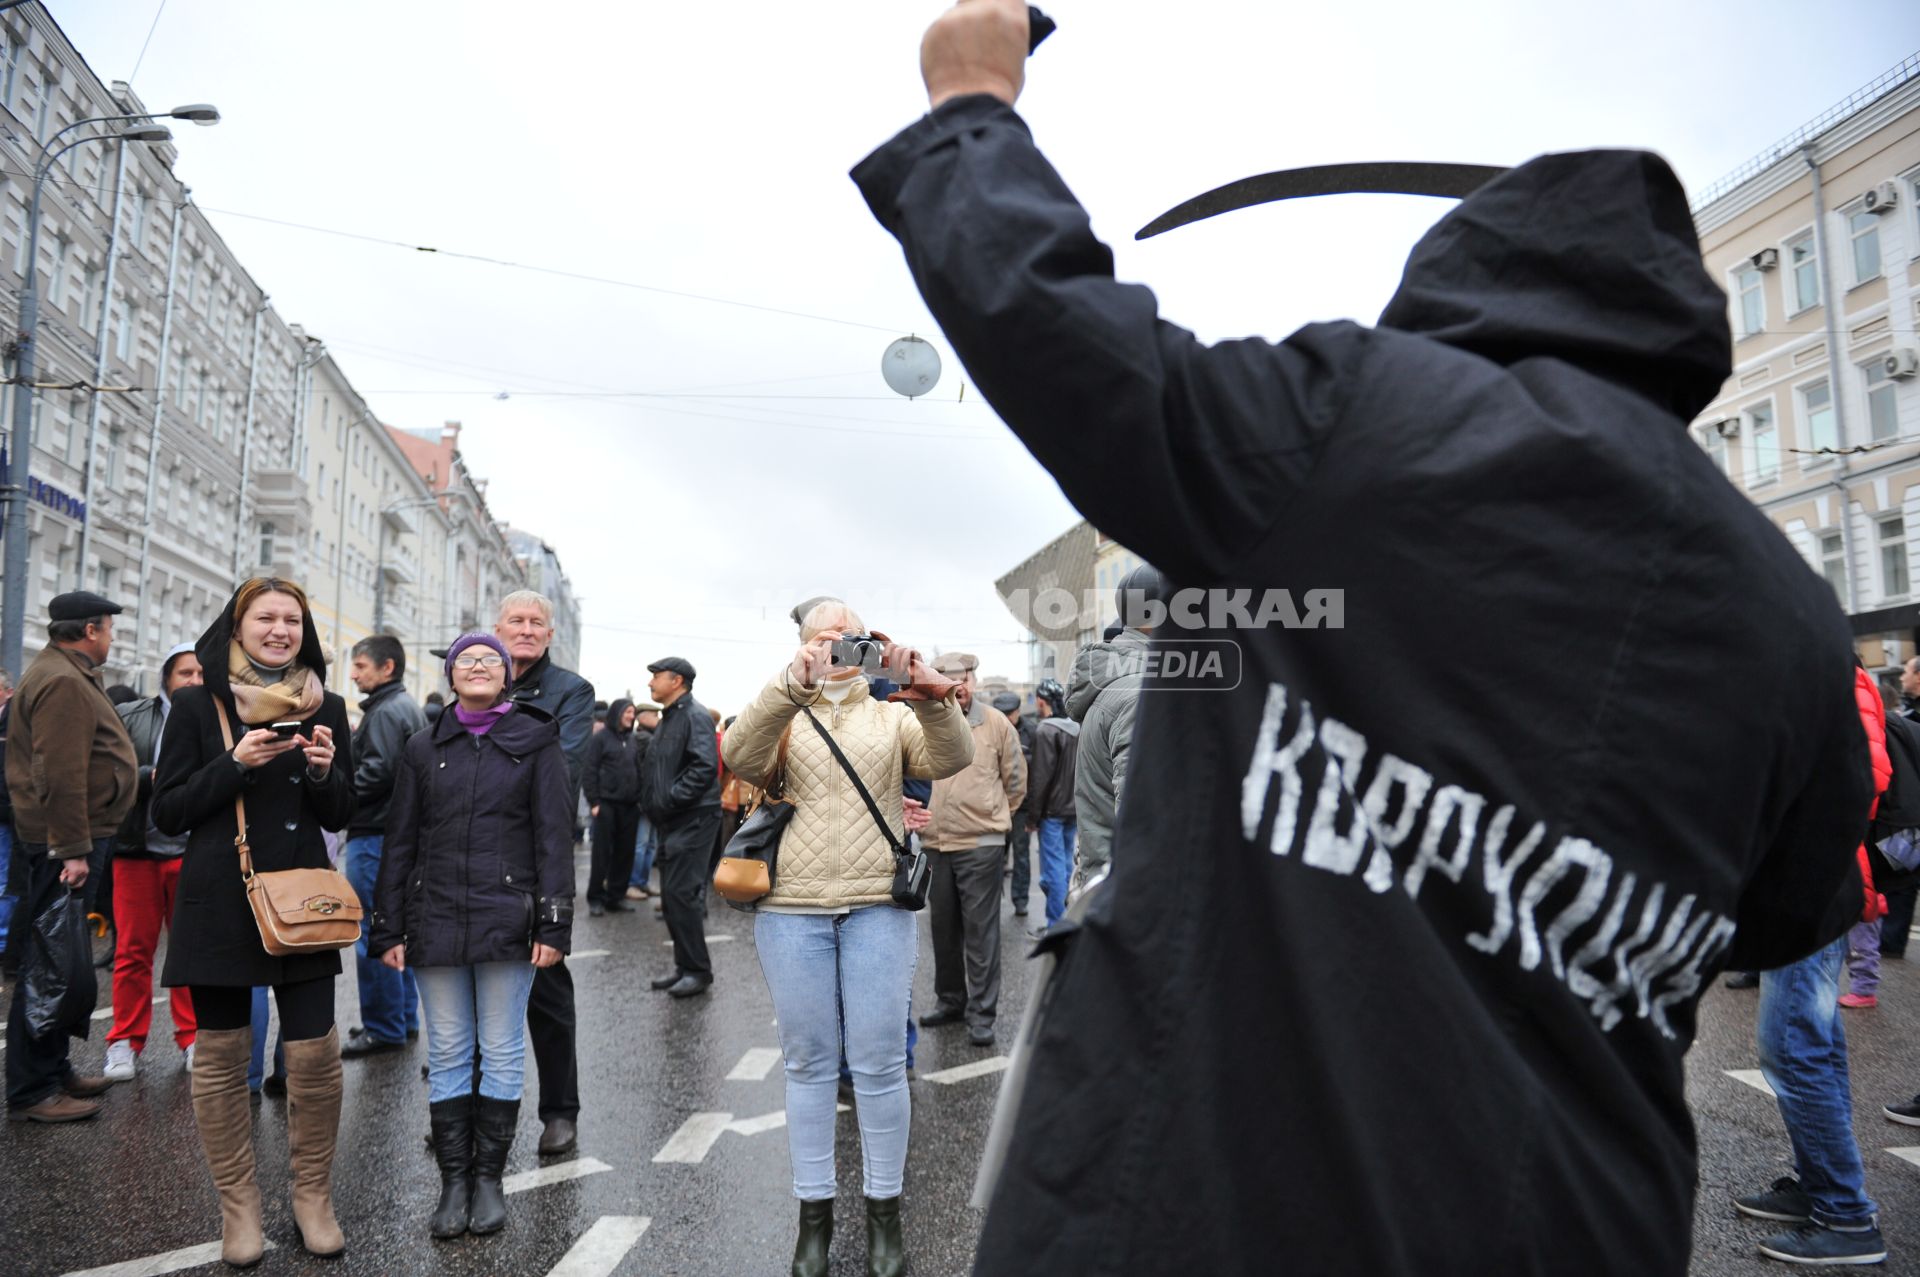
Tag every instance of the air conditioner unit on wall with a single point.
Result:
(1727, 427)
(1902, 362)
(1766, 259)
(1881, 198)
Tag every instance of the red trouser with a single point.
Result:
(143, 903)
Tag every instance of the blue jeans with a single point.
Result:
(1056, 864)
(817, 966)
(1803, 1055)
(389, 999)
(643, 848)
(257, 1067)
(484, 1004)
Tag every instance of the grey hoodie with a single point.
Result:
(1102, 697)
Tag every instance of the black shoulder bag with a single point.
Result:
(912, 872)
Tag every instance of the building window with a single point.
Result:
(1714, 444)
(1864, 229)
(57, 281)
(1752, 300)
(16, 53)
(40, 113)
(114, 439)
(126, 317)
(1833, 565)
(200, 401)
(1893, 557)
(1803, 273)
(1883, 415)
(266, 545)
(1763, 444)
(107, 574)
(1816, 409)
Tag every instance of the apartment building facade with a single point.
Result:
(1817, 242)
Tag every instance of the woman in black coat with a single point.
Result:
(262, 664)
(475, 891)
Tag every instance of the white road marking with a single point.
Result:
(720, 939)
(755, 1065)
(769, 1122)
(967, 1072)
(589, 953)
(694, 1140)
(104, 1013)
(154, 1265)
(558, 1173)
(1907, 1154)
(602, 1247)
(1751, 1077)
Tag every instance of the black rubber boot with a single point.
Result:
(493, 1123)
(816, 1235)
(886, 1249)
(452, 1137)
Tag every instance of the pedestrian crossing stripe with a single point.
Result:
(556, 1174)
(1751, 1077)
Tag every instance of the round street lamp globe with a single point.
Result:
(911, 366)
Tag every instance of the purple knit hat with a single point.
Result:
(466, 641)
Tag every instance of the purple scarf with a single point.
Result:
(481, 721)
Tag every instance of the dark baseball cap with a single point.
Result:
(81, 605)
(673, 665)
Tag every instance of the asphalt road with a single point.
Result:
(699, 1083)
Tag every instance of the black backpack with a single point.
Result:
(1899, 806)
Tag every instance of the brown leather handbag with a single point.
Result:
(297, 910)
(749, 865)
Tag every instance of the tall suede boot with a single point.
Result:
(493, 1123)
(452, 1137)
(816, 1236)
(313, 1127)
(886, 1248)
(225, 1119)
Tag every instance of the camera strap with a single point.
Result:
(886, 830)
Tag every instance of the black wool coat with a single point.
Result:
(214, 939)
(478, 861)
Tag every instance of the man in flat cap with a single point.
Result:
(72, 777)
(972, 816)
(681, 792)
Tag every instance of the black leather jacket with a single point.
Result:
(388, 718)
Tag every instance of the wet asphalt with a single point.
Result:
(131, 1184)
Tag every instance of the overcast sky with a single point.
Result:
(704, 148)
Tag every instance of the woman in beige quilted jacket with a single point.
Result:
(828, 933)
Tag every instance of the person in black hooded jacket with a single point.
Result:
(262, 663)
(1504, 842)
(475, 894)
(611, 781)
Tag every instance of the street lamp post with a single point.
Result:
(13, 590)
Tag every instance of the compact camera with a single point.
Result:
(862, 651)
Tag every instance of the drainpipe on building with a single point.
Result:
(1827, 301)
(241, 516)
(100, 372)
(141, 630)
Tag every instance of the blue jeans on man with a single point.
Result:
(389, 999)
(1056, 864)
(644, 847)
(1803, 1055)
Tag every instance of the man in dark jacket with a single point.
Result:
(72, 778)
(1056, 747)
(526, 627)
(145, 880)
(682, 794)
(611, 778)
(1510, 853)
(389, 999)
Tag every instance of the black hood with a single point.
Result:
(1589, 257)
(212, 648)
(614, 711)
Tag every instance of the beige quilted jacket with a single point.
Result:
(832, 855)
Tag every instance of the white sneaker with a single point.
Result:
(189, 1058)
(121, 1062)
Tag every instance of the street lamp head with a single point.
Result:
(202, 113)
(146, 133)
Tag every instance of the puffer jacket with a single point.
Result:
(1103, 698)
(832, 855)
(975, 806)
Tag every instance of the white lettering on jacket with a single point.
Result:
(1564, 911)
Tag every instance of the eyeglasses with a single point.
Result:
(487, 661)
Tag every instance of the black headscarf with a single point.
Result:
(213, 646)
